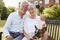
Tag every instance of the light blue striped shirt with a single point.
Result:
(14, 23)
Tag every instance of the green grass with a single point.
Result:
(2, 22)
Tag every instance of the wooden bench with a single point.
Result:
(53, 27)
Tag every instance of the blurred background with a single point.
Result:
(50, 8)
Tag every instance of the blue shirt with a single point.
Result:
(14, 23)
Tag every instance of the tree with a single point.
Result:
(10, 9)
(1, 5)
(39, 3)
(4, 13)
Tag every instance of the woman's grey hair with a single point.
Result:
(31, 6)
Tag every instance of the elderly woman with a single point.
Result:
(30, 23)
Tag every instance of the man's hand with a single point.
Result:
(9, 38)
(31, 38)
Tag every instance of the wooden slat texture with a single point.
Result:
(53, 27)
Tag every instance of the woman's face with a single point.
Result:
(31, 11)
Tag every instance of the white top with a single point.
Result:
(29, 25)
(14, 23)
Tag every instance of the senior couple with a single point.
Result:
(22, 27)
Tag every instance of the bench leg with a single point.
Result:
(0, 36)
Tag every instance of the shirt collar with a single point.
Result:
(17, 13)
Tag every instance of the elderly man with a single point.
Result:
(13, 28)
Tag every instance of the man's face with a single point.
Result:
(23, 8)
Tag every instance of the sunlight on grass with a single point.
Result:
(3, 37)
(2, 22)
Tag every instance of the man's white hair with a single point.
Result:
(20, 4)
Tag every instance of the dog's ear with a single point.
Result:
(44, 29)
(36, 27)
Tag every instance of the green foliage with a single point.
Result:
(37, 6)
(10, 9)
(4, 13)
(53, 12)
(41, 9)
(3, 10)
(1, 5)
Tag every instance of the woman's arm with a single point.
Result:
(25, 30)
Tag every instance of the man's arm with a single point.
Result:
(7, 25)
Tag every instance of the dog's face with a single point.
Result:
(40, 32)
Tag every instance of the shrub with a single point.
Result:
(53, 12)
